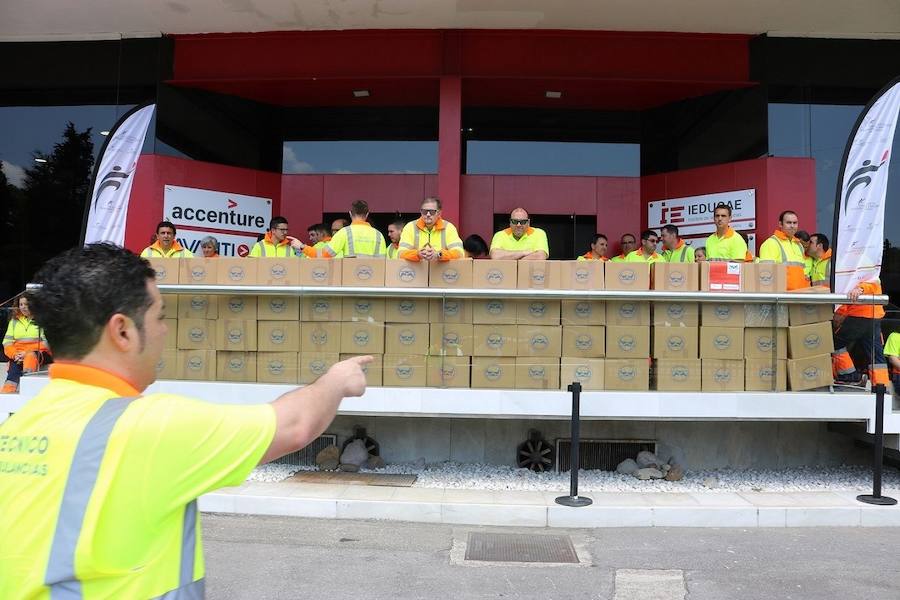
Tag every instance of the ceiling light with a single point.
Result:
(104, 133)
(40, 160)
(360, 93)
(552, 94)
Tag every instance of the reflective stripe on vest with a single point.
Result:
(350, 249)
(784, 258)
(379, 241)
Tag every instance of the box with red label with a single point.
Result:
(717, 276)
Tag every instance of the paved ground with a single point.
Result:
(282, 557)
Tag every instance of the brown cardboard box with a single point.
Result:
(539, 340)
(726, 343)
(722, 375)
(584, 341)
(171, 306)
(537, 373)
(726, 314)
(196, 307)
(676, 314)
(495, 274)
(167, 366)
(405, 273)
(236, 366)
(538, 275)
(278, 308)
(583, 312)
(720, 276)
(581, 274)
(495, 340)
(166, 270)
(406, 338)
(448, 371)
(676, 277)
(321, 338)
(493, 372)
(761, 373)
(313, 365)
(678, 374)
(810, 340)
(278, 336)
(171, 334)
(196, 365)
(810, 372)
(278, 271)
(237, 307)
(236, 271)
(277, 367)
(236, 334)
(627, 276)
(627, 312)
(363, 309)
(765, 343)
(804, 314)
(537, 312)
(359, 337)
(374, 370)
(196, 334)
(676, 342)
(198, 271)
(320, 272)
(765, 278)
(406, 310)
(321, 308)
(624, 341)
(402, 370)
(495, 312)
(765, 315)
(451, 339)
(362, 272)
(450, 310)
(451, 274)
(626, 374)
(586, 371)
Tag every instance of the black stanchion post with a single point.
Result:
(878, 459)
(573, 499)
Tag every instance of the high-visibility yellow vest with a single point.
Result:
(442, 237)
(532, 240)
(781, 249)
(155, 250)
(267, 248)
(359, 239)
(730, 246)
(638, 256)
(681, 254)
(393, 250)
(25, 335)
(820, 274)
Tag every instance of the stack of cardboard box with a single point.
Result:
(810, 344)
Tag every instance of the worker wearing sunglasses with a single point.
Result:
(520, 241)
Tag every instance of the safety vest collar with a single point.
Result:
(826, 256)
(439, 224)
(728, 233)
(176, 247)
(679, 245)
(508, 231)
(783, 236)
(271, 241)
(93, 376)
(360, 222)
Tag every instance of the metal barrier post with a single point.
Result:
(573, 499)
(878, 459)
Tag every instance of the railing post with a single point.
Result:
(573, 499)
(878, 456)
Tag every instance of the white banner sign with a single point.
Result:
(114, 177)
(693, 215)
(208, 210)
(229, 245)
(860, 220)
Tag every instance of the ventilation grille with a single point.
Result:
(604, 455)
(306, 457)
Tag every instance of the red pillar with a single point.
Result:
(450, 146)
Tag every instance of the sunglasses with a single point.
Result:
(519, 221)
(429, 211)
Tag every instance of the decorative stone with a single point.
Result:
(676, 473)
(349, 468)
(665, 468)
(420, 463)
(648, 473)
(375, 462)
(711, 482)
(647, 459)
(355, 454)
(627, 467)
(328, 458)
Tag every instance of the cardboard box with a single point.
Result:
(167, 366)
(406, 310)
(197, 307)
(676, 314)
(495, 340)
(236, 334)
(451, 274)
(195, 365)
(538, 275)
(584, 341)
(370, 310)
(725, 343)
(722, 315)
(278, 308)
(402, 370)
(236, 271)
(805, 314)
(321, 308)
(196, 334)
(586, 371)
(359, 337)
(495, 274)
(676, 342)
(278, 271)
(720, 276)
(581, 274)
(278, 336)
(448, 371)
(537, 373)
(583, 312)
(678, 374)
(764, 278)
(312, 365)
(237, 307)
(765, 315)
(166, 269)
(362, 272)
(810, 372)
(627, 341)
(451, 339)
(761, 373)
(765, 343)
(450, 310)
(277, 367)
(236, 366)
(405, 273)
(321, 338)
(171, 334)
(722, 375)
(627, 276)
(374, 370)
(494, 312)
(198, 271)
(810, 340)
(626, 374)
(537, 312)
(627, 312)
(320, 272)
(406, 338)
(171, 306)
(493, 372)
(539, 340)
(676, 277)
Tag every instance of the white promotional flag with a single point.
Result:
(862, 192)
(114, 177)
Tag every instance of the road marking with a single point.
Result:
(646, 584)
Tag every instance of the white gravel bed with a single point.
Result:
(498, 477)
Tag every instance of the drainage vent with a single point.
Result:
(307, 456)
(604, 455)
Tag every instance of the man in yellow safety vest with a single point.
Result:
(166, 246)
(725, 244)
(599, 248)
(674, 248)
(647, 252)
(358, 238)
(628, 243)
(430, 237)
(820, 253)
(520, 241)
(394, 230)
(784, 248)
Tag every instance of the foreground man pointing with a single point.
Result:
(98, 484)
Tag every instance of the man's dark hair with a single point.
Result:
(784, 214)
(313, 227)
(276, 221)
(400, 224)
(166, 224)
(624, 235)
(322, 228)
(670, 229)
(434, 199)
(722, 205)
(821, 238)
(802, 235)
(475, 246)
(645, 234)
(599, 236)
(359, 208)
(81, 289)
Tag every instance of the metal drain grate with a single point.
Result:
(604, 455)
(307, 456)
(515, 547)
